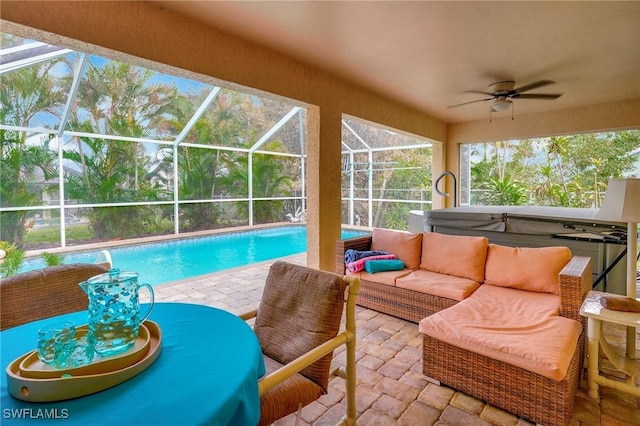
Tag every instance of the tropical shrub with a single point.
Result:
(13, 259)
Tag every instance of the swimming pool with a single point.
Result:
(184, 258)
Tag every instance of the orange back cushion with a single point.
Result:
(526, 268)
(457, 255)
(404, 245)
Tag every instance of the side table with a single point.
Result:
(596, 315)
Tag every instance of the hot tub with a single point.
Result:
(531, 226)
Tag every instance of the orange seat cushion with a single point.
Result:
(406, 246)
(526, 268)
(442, 285)
(386, 277)
(460, 256)
(518, 327)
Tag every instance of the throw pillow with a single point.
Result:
(526, 268)
(373, 266)
(458, 255)
(406, 246)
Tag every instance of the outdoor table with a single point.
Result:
(207, 373)
(630, 367)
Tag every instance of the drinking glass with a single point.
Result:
(47, 336)
(74, 352)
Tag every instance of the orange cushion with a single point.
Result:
(442, 285)
(526, 268)
(404, 245)
(457, 255)
(513, 326)
(386, 277)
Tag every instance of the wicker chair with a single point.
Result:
(298, 324)
(44, 293)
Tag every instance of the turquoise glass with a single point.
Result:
(48, 335)
(75, 353)
(65, 344)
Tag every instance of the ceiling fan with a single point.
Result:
(502, 93)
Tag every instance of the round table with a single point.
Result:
(207, 373)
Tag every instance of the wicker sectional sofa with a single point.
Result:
(499, 323)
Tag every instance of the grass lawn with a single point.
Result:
(39, 236)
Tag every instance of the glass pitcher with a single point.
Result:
(114, 310)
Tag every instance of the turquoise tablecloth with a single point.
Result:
(207, 373)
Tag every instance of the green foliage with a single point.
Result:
(23, 94)
(395, 215)
(569, 171)
(119, 99)
(395, 175)
(48, 236)
(406, 179)
(269, 179)
(13, 259)
(506, 192)
(120, 102)
(52, 259)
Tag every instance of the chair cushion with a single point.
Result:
(404, 245)
(283, 399)
(457, 255)
(301, 308)
(526, 268)
(442, 285)
(518, 327)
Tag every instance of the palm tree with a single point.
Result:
(202, 170)
(23, 94)
(269, 179)
(198, 167)
(116, 99)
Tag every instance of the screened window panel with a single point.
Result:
(109, 171)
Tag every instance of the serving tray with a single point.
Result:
(74, 382)
(33, 368)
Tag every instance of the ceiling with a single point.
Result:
(428, 53)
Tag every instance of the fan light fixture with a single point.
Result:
(502, 93)
(501, 104)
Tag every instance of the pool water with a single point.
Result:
(184, 258)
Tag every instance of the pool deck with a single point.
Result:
(391, 389)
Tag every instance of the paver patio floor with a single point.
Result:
(391, 389)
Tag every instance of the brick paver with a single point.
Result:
(391, 389)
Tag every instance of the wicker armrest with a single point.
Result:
(575, 282)
(356, 243)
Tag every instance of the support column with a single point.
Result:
(324, 135)
(437, 167)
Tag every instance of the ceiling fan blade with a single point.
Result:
(471, 102)
(534, 85)
(538, 96)
(478, 92)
